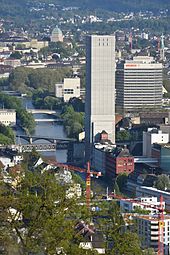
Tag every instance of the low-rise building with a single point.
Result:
(144, 203)
(68, 89)
(12, 62)
(143, 191)
(8, 117)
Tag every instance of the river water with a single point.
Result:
(46, 129)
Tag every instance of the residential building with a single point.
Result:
(119, 161)
(8, 117)
(162, 153)
(100, 87)
(143, 191)
(138, 84)
(146, 203)
(148, 230)
(99, 152)
(25, 42)
(153, 136)
(57, 35)
(68, 89)
(12, 62)
(91, 238)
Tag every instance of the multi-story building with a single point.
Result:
(100, 87)
(143, 191)
(138, 84)
(148, 230)
(119, 161)
(8, 117)
(68, 89)
(153, 136)
(147, 203)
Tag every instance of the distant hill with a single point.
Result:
(114, 5)
(121, 5)
(19, 9)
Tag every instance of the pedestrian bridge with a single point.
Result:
(49, 120)
(43, 111)
(141, 159)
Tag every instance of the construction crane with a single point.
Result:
(87, 171)
(160, 210)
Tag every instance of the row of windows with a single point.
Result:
(6, 113)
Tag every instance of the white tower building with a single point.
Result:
(100, 89)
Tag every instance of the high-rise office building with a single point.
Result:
(138, 84)
(100, 89)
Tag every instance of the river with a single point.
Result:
(48, 129)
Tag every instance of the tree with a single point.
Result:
(123, 135)
(162, 182)
(119, 239)
(6, 135)
(16, 55)
(116, 188)
(37, 217)
(121, 181)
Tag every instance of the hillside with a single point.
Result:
(122, 5)
(19, 10)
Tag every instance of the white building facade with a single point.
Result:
(100, 89)
(143, 191)
(68, 89)
(147, 203)
(153, 136)
(8, 117)
(148, 231)
(138, 84)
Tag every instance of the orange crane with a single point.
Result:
(87, 171)
(160, 208)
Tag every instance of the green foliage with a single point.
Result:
(162, 183)
(16, 55)
(116, 189)
(27, 78)
(121, 181)
(123, 135)
(139, 210)
(8, 133)
(149, 251)
(117, 234)
(41, 99)
(26, 119)
(73, 121)
(77, 178)
(59, 48)
(42, 219)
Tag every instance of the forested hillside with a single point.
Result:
(20, 7)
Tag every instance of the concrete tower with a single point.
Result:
(100, 89)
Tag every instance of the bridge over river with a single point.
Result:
(56, 140)
(44, 111)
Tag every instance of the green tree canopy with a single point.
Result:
(162, 182)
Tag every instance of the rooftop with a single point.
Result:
(7, 110)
